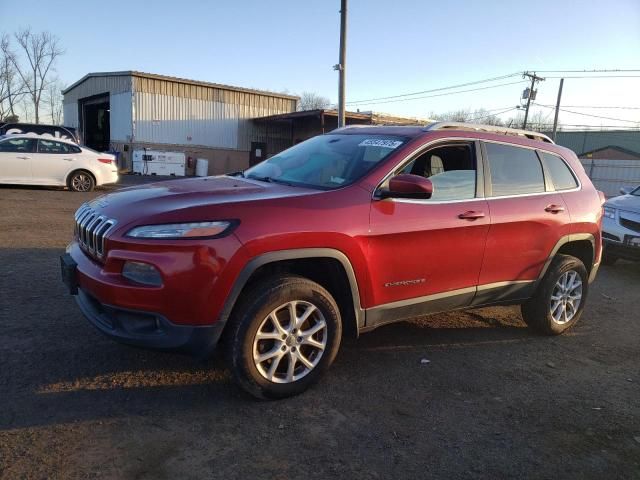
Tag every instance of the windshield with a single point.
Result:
(327, 161)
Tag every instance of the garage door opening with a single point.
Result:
(95, 114)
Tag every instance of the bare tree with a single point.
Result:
(54, 101)
(462, 115)
(312, 101)
(41, 51)
(539, 121)
(12, 88)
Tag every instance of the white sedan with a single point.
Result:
(28, 159)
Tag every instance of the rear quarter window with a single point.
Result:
(560, 174)
(514, 170)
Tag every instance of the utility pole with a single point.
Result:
(555, 119)
(534, 78)
(342, 66)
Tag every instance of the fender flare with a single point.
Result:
(294, 254)
(572, 237)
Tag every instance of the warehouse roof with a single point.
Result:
(589, 140)
(369, 117)
(133, 73)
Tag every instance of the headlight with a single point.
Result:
(609, 212)
(143, 273)
(180, 230)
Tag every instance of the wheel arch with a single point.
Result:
(329, 267)
(579, 245)
(80, 169)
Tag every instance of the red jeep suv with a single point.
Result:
(338, 235)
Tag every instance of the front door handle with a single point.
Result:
(24, 158)
(68, 159)
(554, 208)
(471, 215)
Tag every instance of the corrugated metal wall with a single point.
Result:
(211, 117)
(163, 111)
(611, 175)
(120, 116)
(97, 85)
(581, 142)
(70, 115)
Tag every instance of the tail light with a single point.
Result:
(106, 160)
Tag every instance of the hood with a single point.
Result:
(193, 199)
(625, 202)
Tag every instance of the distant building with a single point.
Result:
(583, 142)
(611, 158)
(129, 111)
(309, 123)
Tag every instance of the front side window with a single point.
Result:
(18, 145)
(451, 169)
(49, 146)
(514, 170)
(327, 161)
(561, 176)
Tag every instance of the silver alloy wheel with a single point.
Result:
(81, 182)
(566, 297)
(290, 342)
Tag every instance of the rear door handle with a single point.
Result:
(471, 215)
(24, 158)
(554, 208)
(68, 159)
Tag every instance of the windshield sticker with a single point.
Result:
(376, 142)
(337, 180)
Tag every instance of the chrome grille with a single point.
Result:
(91, 228)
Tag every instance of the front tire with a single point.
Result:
(284, 335)
(560, 298)
(81, 181)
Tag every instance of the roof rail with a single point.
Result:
(488, 128)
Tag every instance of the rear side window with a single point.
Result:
(559, 172)
(19, 145)
(49, 146)
(514, 170)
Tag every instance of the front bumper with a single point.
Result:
(148, 329)
(618, 240)
(621, 250)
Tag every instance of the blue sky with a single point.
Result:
(393, 47)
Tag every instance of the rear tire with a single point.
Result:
(81, 181)
(560, 298)
(269, 355)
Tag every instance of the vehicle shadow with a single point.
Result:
(56, 368)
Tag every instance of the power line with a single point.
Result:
(589, 114)
(440, 94)
(491, 114)
(596, 76)
(602, 106)
(613, 70)
(476, 82)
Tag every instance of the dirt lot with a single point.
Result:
(494, 401)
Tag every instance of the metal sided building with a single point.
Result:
(130, 111)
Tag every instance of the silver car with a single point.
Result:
(621, 227)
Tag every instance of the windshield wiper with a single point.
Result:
(271, 180)
(260, 179)
(239, 173)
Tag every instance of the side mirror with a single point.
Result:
(625, 190)
(408, 186)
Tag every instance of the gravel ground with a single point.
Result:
(493, 401)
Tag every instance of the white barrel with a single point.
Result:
(202, 167)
